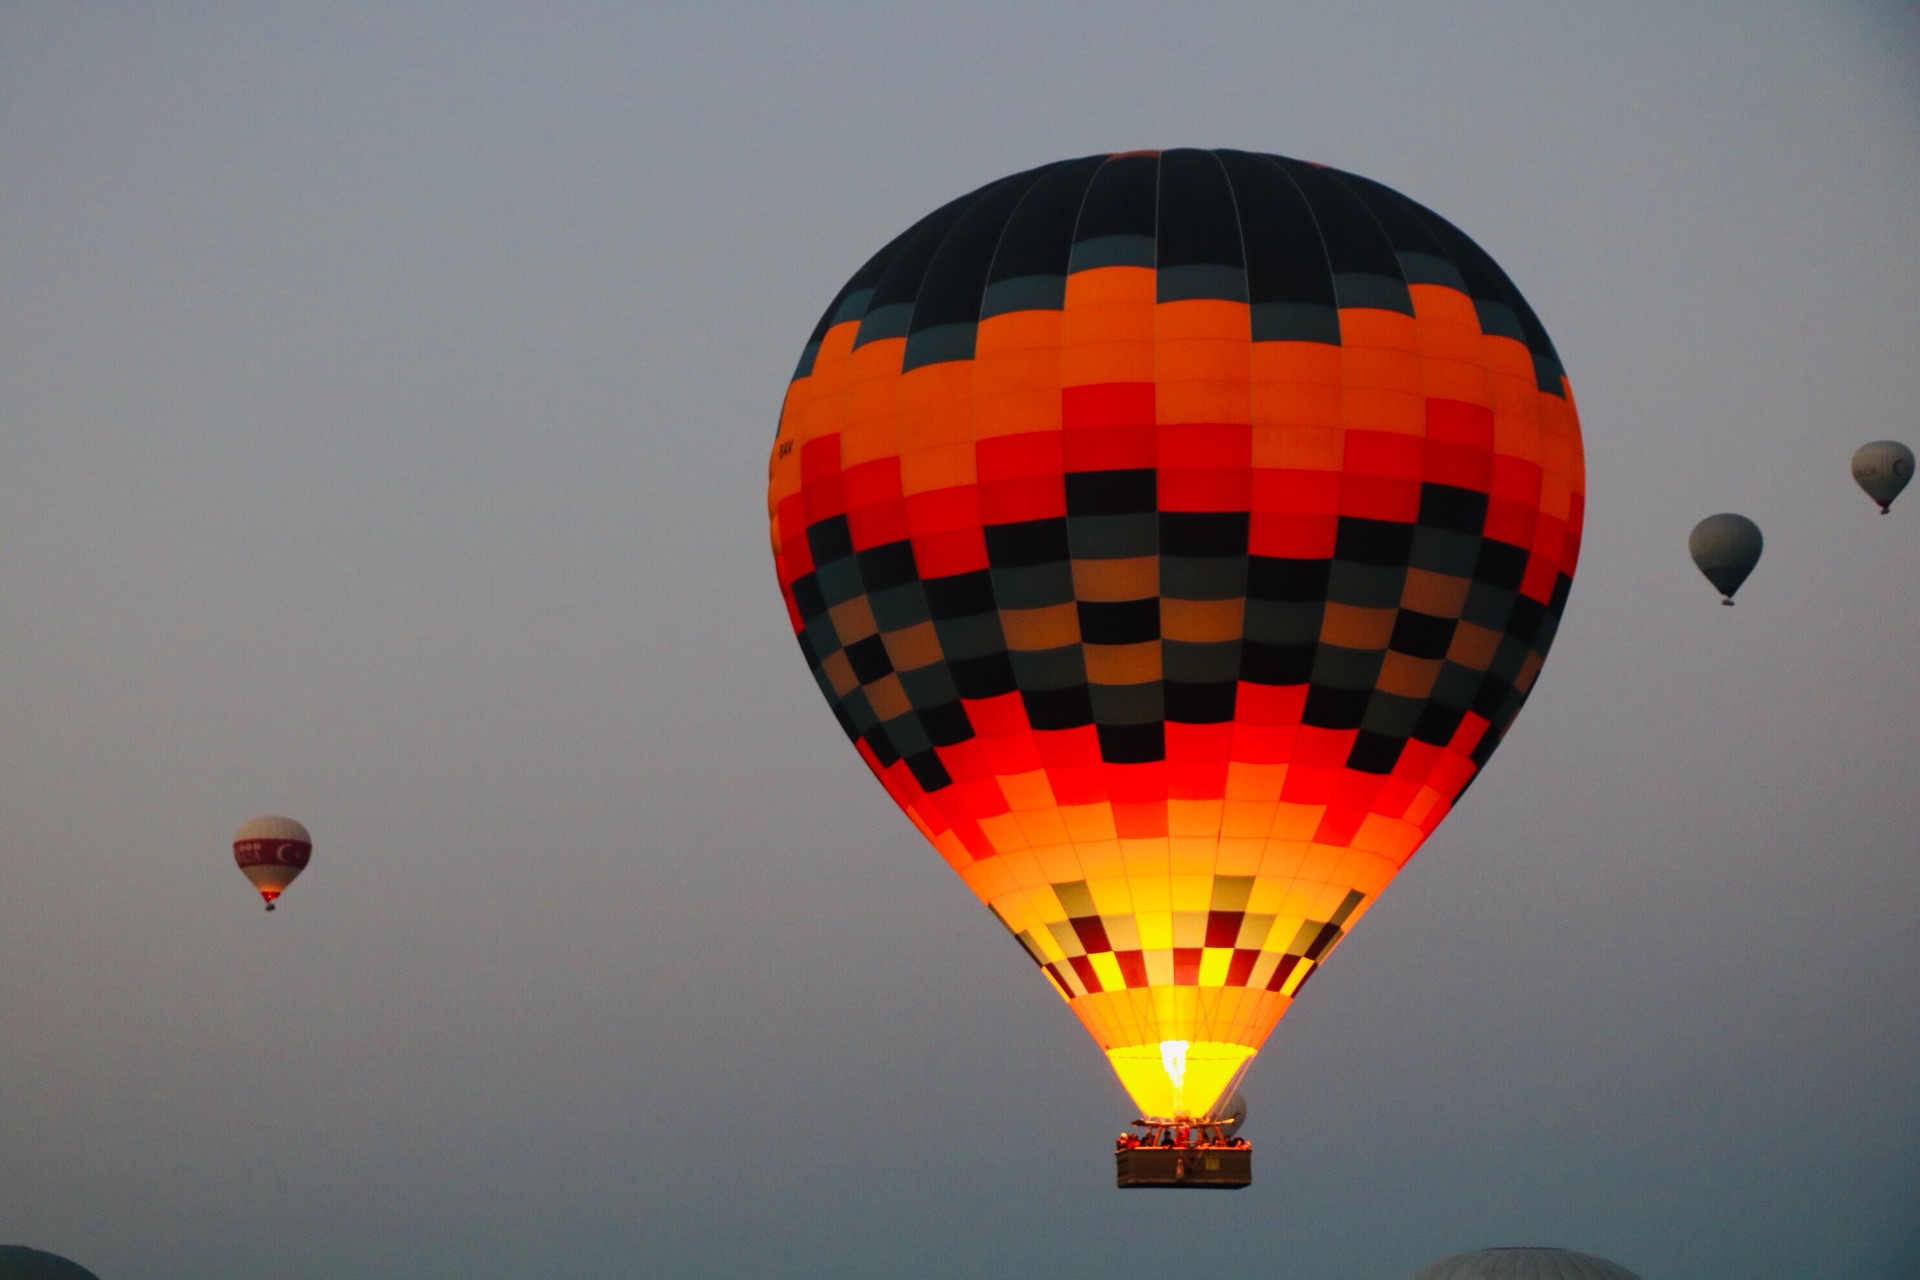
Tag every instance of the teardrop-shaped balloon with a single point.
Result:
(1883, 469)
(271, 852)
(1176, 534)
(1726, 547)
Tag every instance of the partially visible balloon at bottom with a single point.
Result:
(17, 1262)
(271, 852)
(1725, 548)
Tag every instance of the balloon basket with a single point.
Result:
(1183, 1154)
(1195, 1168)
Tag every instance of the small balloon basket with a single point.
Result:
(1182, 1154)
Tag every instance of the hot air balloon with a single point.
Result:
(17, 1262)
(271, 852)
(1524, 1262)
(1726, 547)
(1175, 535)
(1883, 469)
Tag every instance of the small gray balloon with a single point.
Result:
(1726, 547)
(1883, 469)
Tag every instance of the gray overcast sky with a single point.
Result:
(385, 394)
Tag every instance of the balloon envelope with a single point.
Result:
(1726, 547)
(17, 1262)
(1883, 469)
(271, 852)
(1524, 1263)
(1175, 535)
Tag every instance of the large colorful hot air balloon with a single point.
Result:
(271, 852)
(1176, 534)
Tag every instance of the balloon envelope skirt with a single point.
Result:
(1175, 535)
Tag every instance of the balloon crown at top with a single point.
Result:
(1295, 241)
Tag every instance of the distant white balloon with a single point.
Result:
(1883, 469)
(271, 852)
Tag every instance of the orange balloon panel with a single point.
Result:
(1175, 535)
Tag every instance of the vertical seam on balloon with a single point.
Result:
(1159, 175)
(1060, 378)
(1235, 738)
(1326, 258)
(1270, 162)
(973, 403)
(972, 410)
(1359, 195)
(1246, 559)
(1335, 177)
(973, 375)
(1151, 1023)
(1439, 228)
(898, 426)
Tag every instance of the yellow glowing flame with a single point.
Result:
(1173, 1058)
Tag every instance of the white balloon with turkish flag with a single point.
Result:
(271, 851)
